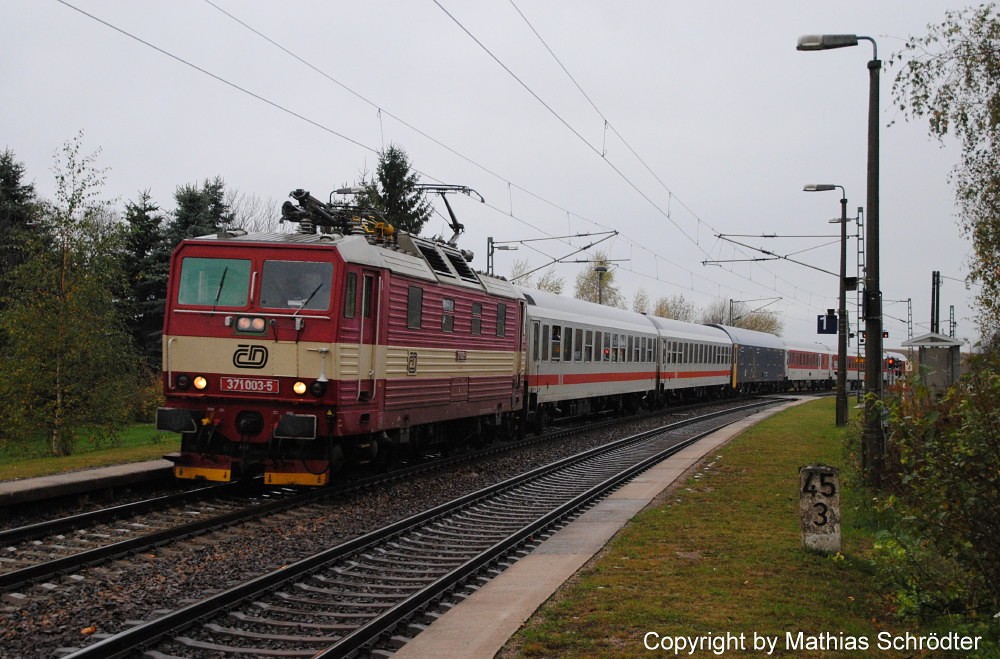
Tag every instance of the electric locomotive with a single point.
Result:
(346, 342)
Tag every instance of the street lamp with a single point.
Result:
(600, 270)
(842, 323)
(872, 444)
(495, 245)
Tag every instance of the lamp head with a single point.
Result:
(818, 187)
(826, 41)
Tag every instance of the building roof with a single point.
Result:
(932, 340)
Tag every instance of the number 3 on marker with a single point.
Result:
(821, 511)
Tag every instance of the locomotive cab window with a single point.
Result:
(296, 285)
(214, 282)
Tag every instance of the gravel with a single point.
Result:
(112, 597)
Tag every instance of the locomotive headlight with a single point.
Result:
(299, 387)
(183, 381)
(317, 388)
(249, 324)
(200, 383)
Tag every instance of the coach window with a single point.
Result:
(568, 348)
(501, 320)
(556, 342)
(588, 350)
(544, 340)
(296, 285)
(350, 294)
(414, 307)
(447, 315)
(578, 343)
(477, 320)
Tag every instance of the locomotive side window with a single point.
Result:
(350, 294)
(296, 285)
(477, 321)
(366, 297)
(501, 320)
(447, 315)
(414, 307)
(214, 282)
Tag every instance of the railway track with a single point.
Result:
(60, 547)
(352, 597)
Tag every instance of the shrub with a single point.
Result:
(943, 469)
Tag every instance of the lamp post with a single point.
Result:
(872, 442)
(842, 312)
(494, 245)
(600, 270)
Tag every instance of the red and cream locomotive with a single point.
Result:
(296, 353)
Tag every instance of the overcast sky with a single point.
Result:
(729, 119)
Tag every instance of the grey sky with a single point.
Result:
(712, 95)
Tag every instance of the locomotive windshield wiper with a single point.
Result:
(308, 299)
(222, 282)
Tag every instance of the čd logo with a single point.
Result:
(250, 356)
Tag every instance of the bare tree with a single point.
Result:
(737, 314)
(594, 285)
(548, 281)
(640, 302)
(253, 214)
(676, 307)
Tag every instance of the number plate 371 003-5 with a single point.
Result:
(249, 385)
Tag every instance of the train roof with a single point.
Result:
(679, 329)
(749, 337)
(560, 307)
(411, 256)
(804, 346)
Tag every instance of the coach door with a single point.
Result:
(368, 370)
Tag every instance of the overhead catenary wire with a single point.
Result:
(369, 148)
(509, 183)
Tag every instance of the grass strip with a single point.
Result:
(721, 553)
(136, 443)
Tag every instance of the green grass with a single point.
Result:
(722, 553)
(136, 443)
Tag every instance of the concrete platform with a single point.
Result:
(481, 625)
(29, 490)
